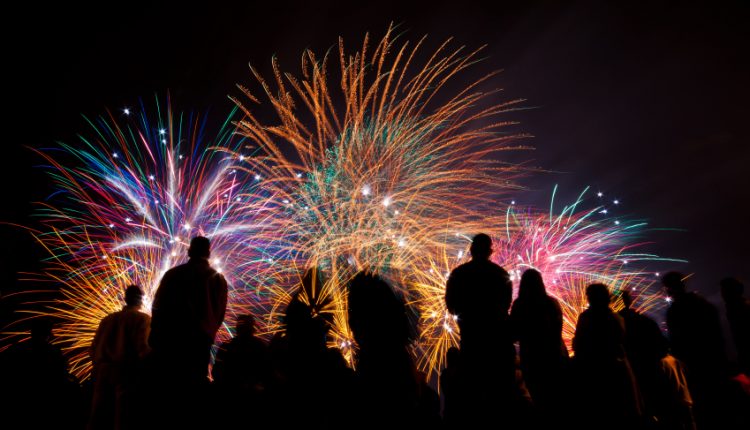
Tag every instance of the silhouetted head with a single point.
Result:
(245, 325)
(674, 282)
(377, 316)
(598, 295)
(200, 247)
(481, 247)
(627, 299)
(731, 289)
(532, 285)
(304, 328)
(133, 295)
(41, 330)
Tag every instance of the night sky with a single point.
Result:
(646, 103)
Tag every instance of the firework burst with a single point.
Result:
(130, 196)
(388, 163)
(571, 249)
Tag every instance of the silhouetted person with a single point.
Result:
(388, 385)
(661, 379)
(36, 387)
(479, 293)
(187, 312)
(242, 372)
(696, 339)
(117, 353)
(536, 322)
(311, 377)
(607, 387)
(244, 361)
(644, 342)
(738, 315)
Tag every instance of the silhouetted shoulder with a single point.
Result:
(109, 319)
(173, 271)
(499, 270)
(171, 274)
(461, 269)
(474, 265)
(218, 276)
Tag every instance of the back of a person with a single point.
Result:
(123, 337)
(479, 294)
(246, 362)
(481, 297)
(536, 323)
(538, 328)
(388, 387)
(385, 378)
(242, 375)
(310, 376)
(118, 352)
(695, 331)
(182, 309)
(599, 337)
(605, 384)
(187, 312)
(643, 338)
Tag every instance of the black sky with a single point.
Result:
(646, 102)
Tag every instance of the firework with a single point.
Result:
(383, 166)
(575, 248)
(377, 168)
(131, 194)
(571, 249)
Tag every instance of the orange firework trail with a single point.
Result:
(389, 163)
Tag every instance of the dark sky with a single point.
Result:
(645, 102)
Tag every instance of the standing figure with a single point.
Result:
(696, 339)
(242, 374)
(607, 386)
(536, 322)
(667, 404)
(188, 311)
(117, 352)
(388, 388)
(479, 294)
